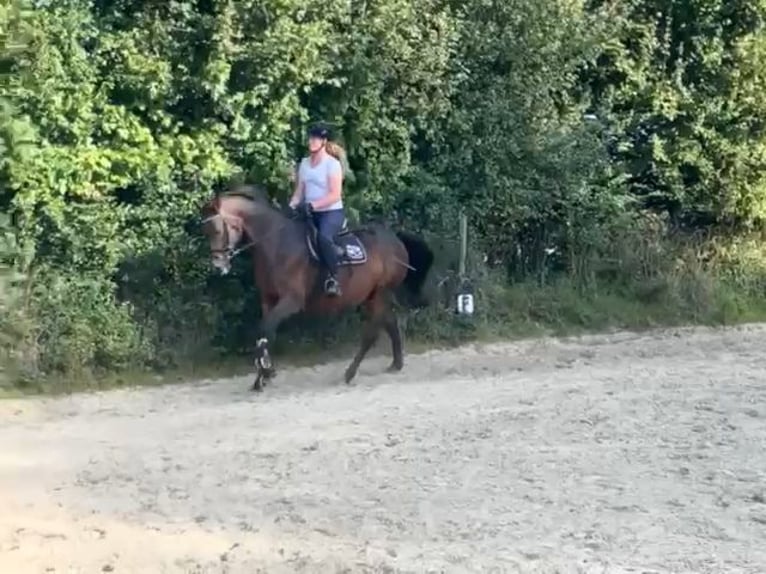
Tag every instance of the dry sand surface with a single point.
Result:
(605, 454)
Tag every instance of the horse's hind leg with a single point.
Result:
(369, 336)
(375, 308)
(391, 325)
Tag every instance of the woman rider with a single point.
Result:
(320, 184)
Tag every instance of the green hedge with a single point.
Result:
(591, 143)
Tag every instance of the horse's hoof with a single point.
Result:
(264, 364)
(394, 368)
(350, 374)
(268, 375)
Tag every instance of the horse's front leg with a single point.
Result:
(264, 365)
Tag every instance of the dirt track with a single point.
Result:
(620, 453)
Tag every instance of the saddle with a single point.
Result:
(350, 249)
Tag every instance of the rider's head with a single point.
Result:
(318, 136)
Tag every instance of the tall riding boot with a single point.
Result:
(330, 257)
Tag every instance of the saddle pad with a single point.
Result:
(351, 250)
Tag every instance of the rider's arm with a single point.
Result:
(297, 197)
(335, 187)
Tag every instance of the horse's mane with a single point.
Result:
(256, 194)
(251, 192)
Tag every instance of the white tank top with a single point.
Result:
(316, 179)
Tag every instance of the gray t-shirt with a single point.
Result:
(316, 179)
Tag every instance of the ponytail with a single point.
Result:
(337, 151)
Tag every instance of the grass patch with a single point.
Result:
(503, 313)
(716, 285)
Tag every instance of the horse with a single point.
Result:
(378, 266)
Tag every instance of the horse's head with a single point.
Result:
(224, 229)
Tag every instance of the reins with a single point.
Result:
(233, 252)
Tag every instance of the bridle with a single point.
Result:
(230, 251)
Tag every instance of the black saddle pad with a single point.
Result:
(351, 250)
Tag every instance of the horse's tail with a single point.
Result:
(421, 258)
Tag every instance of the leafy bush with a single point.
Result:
(80, 325)
(608, 155)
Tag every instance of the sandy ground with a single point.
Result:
(606, 454)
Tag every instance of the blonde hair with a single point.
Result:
(336, 150)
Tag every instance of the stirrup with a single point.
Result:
(332, 287)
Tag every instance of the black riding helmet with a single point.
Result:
(320, 131)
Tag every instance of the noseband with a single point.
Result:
(230, 251)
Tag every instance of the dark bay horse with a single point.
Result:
(378, 263)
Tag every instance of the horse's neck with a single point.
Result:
(260, 221)
(262, 224)
(269, 231)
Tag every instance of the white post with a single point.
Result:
(463, 244)
(464, 296)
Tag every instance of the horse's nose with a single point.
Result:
(221, 265)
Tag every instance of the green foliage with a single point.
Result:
(11, 300)
(680, 85)
(519, 156)
(81, 325)
(118, 118)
